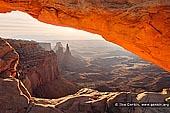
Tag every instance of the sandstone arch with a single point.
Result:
(140, 26)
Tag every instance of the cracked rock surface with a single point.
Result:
(13, 100)
(140, 26)
(8, 60)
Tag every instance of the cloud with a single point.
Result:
(17, 23)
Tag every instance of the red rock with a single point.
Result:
(92, 101)
(140, 26)
(12, 100)
(8, 60)
(85, 100)
(39, 71)
(68, 62)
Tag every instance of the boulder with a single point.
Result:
(12, 100)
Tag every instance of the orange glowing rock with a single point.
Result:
(140, 26)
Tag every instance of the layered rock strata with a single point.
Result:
(38, 70)
(14, 98)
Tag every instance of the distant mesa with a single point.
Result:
(58, 48)
(58, 44)
(67, 52)
(46, 46)
(65, 59)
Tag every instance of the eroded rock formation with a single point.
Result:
(39, 70)
(85, 100)
(140, 26)
(66, 61)
(16, 99)
(8, 59)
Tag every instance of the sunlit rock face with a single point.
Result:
(38, 70)
(8, 60)
(140, 26)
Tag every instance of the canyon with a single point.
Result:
(38, 70)
(102, 66)
(84, 101)
(29, 73)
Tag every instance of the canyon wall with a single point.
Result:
(38, 70)
(8, 59)
(16, 99)
(140, 26)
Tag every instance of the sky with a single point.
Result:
(20, 25)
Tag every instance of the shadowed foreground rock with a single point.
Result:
(140, 26)
(13, 100)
